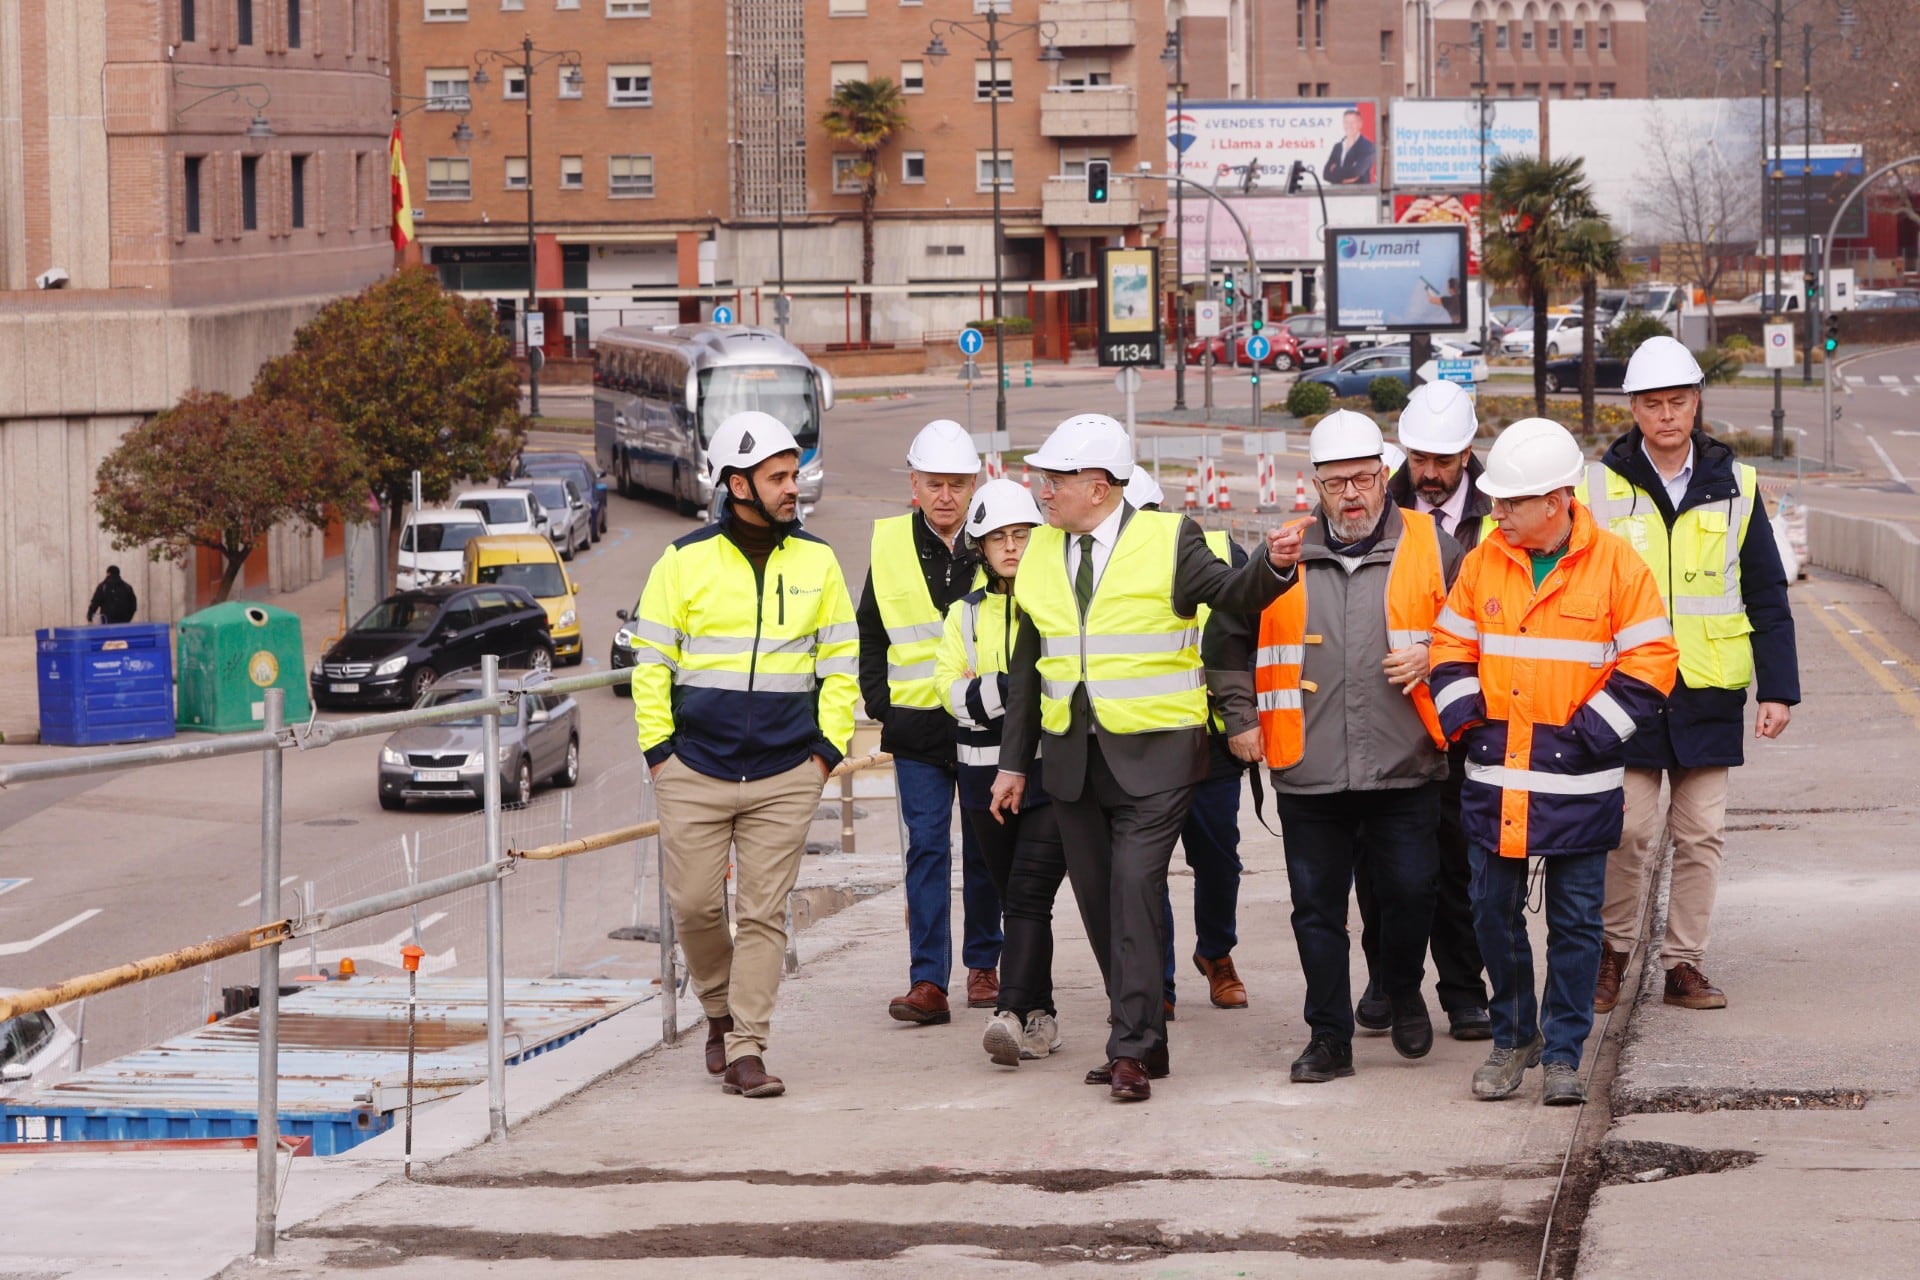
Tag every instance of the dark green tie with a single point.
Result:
(1083, 576)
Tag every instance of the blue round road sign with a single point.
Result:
(971, 341)
(723, 315)
(1258, 347)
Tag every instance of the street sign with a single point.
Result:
(971, 341)
(1127, 381)
(535, 325)
(723, 315)
(1778, 340)
(1460, 371)
(1206, 319)
(1258, 347)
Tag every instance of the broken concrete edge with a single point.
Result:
(1700, 1099)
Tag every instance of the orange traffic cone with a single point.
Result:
(1300, 491)
(1191, 503)
(1226, 495)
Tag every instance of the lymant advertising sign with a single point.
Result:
(1396, 279)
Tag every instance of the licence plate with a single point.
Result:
(436, 775)
(344, 688)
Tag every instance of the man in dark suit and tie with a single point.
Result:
(1106, 670)
(1352, 158)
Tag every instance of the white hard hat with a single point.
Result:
(1532, 457)
(746, 439)
(943, 447)
(999, 503)
(1342, 436)
(1143, 490)
(1439, 418)
(1393, 455)
(1086, 442)
(1661, 362)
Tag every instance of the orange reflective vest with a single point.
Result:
(1416, 593)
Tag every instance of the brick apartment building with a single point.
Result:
(199, 177)
(694, 125)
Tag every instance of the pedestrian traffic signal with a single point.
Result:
(1833, 334)
(1097, 174)
(1813, 286)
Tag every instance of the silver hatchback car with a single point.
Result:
(539, 741)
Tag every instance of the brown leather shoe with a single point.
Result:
(1166, 1007)
(983, 988)
(1689, 988)
(748, 1077)
(1129, 1081)
(926, 1005)
(717, 1029)
(1159, 1064)
(1613, 968)
(1224, 987)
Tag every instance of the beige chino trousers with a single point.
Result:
(702, 820)
(1696, 814)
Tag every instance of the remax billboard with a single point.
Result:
(1214, 142)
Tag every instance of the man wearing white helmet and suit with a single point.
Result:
(1107, 668)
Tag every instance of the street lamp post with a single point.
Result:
(527, 63)
(1174, 56)
(1483, 112)
(935, 52)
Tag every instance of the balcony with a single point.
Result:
(1090, 24)
(1103, 111)
(1063, 203)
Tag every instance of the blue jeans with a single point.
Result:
(1576, 888)
(1211, 841)
(926, 802)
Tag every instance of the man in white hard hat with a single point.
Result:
(1552, 652)
(1107, 669)
(1695, 514)
(919, 565)
(1353, 740)
(1437, 430)
(743, 689)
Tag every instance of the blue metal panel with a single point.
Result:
(105, 684)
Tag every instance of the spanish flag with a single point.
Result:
(402, 198)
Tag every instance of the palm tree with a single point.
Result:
(1534, 203)
(866, 113)
(1589, 251)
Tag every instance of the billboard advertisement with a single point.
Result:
(1282, 231)
(1813, 182)
(1408, 279)
(1129, 297)
(1213, 142)
(1458, 208)
(1436, 142)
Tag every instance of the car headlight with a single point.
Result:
(389, 756)
(567, 618)
(319, 668)
(391, 666)
(506, 752)
(472, 761)
(624, 639)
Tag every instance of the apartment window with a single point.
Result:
(846, 175)
(1529, 20)
(630, 175)
(512, 5)
(1582, 90)
(1386, 47)
(1603, 37)
(297, 181)
(513, 85)
(1531, 89)
(249, 193)
(1319, 24)
(293, 24)
(629, 8)
(1320, 89)
(913, 166)
(913, 77)
(1556, 91)
(447, 89)
(1503, 36)
(450, 178)
(991, 170)
(1556, 19)
(840, 73)
(1089, 72)
(1073, 161)
(573, 173)
(992, 77)
(516, 173)
(1504, 91)
(243, 22)
(1304, 89)
(1579, 38)
(446, 10)
(190, 195)
(187, 24)
(1300, 23)
(1606, 91)
(846, 8)
(566, 4)
(630, 85)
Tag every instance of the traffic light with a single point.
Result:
(1832, 343)
(1296, 177)
(1097, 174)
(1259, 314)
(1229, 291)
(1813, 285)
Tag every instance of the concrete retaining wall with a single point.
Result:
(1877, 550)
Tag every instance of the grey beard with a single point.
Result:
(1351, 533)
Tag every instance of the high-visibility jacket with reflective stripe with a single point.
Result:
(972, 668)
(1221, 544)
(1139, 660)
(1416, 592)
(1696, 565)
(912, 620)
(742, 673)
(1544, 687)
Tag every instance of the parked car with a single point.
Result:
(1351, 376)
(393, 655)
(620, 656)
(522, 560)
(539, 741)
(1886, 299)
(1514, 317)
(432, 544)
(1563, 373)
(36, 1048)
(569, 515)
(1563, 335)
(506, 510)
(583, 473)
(1220, 344)
(1317, 346)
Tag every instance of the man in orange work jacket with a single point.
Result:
(1554, 648)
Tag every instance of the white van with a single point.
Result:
(506, 510)
(432, 544)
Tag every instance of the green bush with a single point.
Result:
(1307, 398)
(1009, 324)
(1632, 329)
(1387, 395)
(1738, 342)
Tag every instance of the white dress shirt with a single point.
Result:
(1449, 512)
(1104, 538)
(1677, 483)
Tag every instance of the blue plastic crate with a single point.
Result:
(105, 684)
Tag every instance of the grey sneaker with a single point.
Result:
(1002, 1039)
(1041, 1036)
(1563, 1087)
(1500, 1074)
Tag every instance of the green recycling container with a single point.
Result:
(228, 656)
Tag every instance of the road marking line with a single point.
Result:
(1889, 380)
(1856, 378)
(9, 885)
(1903, 697)
(1886, 462)
(21, 948)
(256, 897)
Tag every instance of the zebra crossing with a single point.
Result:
(1880, 380)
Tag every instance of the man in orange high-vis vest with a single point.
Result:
(1553, 650)
(1351, 734)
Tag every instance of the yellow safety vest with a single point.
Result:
(907, 611)
(1139, 660)
(1697, 567)
(1223, 547)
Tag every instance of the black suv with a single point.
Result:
(412, 638)
(577, 469)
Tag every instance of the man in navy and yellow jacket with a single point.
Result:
(743, 688)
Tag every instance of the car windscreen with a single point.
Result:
(497, 510)
(543, 581)
(551, 491)
(785, 391)
(578, 472)
(409, 614)
(442, 697)
(439, 537)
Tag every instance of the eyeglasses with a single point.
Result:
(1512, 504)
(1012, 535)
(1061, 479)
(1336, 485)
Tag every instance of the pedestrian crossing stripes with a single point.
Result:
(1882, 379)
